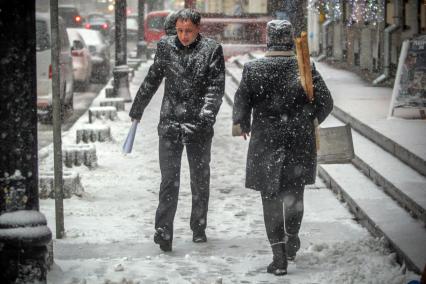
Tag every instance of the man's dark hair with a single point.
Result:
(189, 14)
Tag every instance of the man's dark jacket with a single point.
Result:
(282, 147)
(194, 87)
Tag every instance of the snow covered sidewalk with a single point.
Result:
(109, 231)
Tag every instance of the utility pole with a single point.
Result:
(141, 45)
(121, 70)
(23, 230)
(56, 121)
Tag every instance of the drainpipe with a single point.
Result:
(324, 39)
(388, 42)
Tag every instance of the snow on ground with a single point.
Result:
(109, 231)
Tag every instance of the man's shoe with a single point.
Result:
(292, 246)
(163, 239)
(199, 237)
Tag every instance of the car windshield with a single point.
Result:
(42, 36)
(156, 22)
(91, 37)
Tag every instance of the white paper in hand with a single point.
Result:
(128, 144)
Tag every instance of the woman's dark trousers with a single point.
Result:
(170, 152)
(273, 214)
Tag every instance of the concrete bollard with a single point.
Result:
(24, 237)
(107, 112)
(79, 154)
(93, 133)
(72, 185)
(109, 92)
(118, 103)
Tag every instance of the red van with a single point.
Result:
(154, 28)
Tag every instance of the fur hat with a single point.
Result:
(280, 35)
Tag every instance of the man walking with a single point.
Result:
(194, 70)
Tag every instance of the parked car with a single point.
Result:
(44, 68)
(81, 59)
(97, 21)
(100, 52)
(71, 15)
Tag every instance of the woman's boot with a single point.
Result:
(278, 265)
(292, 246)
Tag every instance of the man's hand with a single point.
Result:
(138, 120)
(189, 128)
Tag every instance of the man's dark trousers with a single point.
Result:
(170, 152)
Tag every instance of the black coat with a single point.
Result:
(282, 147)
(194, 88)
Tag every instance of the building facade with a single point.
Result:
(365, 35)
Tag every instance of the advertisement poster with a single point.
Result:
(410, 83)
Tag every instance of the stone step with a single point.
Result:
(398, 180)
(397, 150)
(378, 213)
